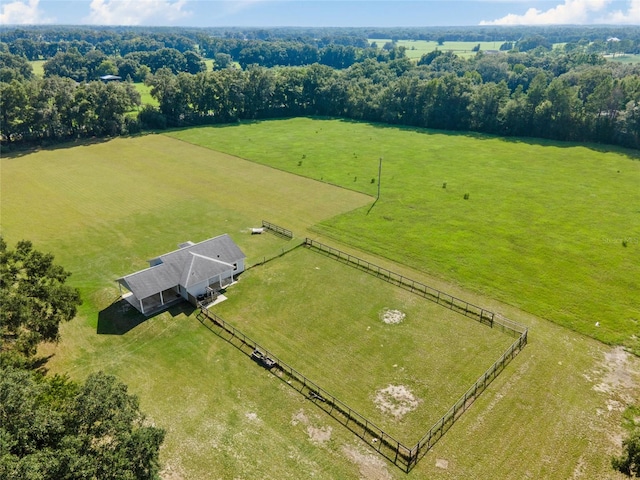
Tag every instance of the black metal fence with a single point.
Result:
(272, 227)
(381, 441)
(464, 308)
(449, 418)
(278, 254)
(401, 455)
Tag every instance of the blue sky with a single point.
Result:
(338, 13)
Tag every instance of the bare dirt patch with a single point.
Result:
(319, 435)
(396, 400)
(299, 417)
(252, 416)
(392, 317)
(442, 463)
(172, 472)
(370, 465)
(620, 376)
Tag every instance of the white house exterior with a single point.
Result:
(191, 272)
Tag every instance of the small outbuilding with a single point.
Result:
(194, 272)
(110, 78)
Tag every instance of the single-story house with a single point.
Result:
(193, 272)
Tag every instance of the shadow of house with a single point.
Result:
(195, 272)
(120, 317)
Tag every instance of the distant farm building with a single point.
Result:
(195, 272)
(110, 78)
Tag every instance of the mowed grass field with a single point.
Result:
(104, 208)
(543, 227)
(417, 48)
(329, 324)
(145, 95)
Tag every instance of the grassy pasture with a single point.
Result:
(417, 48)
(102, 209)
(145, 95)
(38, 67)
(629, 58)
(328, 324)
(542, 229)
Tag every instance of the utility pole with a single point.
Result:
(379, 175)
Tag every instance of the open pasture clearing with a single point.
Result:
(127, 200)
(145, 95)
(103, 209)
(336, 325)
(417, 48)
(38, 67)
(542, 229)
(630, 58)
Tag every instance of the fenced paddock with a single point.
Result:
(382, 439)
(460, 306)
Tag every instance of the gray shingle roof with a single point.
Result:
(186, 266)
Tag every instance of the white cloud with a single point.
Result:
(22, 13)
(136, 12)
(631, 16)
(569, 12)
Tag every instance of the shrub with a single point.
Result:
(150, 117)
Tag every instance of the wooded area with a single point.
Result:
(527, 88)
(51, 426)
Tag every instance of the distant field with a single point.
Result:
(103, 208)
(37, 66)
(629, 58)
(145, 94)
(543, 228)
(417, 48)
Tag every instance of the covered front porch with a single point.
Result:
(156, 302)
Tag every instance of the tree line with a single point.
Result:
(44, 41)
(571, 93)
(572, 96)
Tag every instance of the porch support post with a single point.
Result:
(161, 299)
(141, 306)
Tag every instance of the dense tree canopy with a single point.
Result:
(51, 427)
(629, 462)
(568, 93)
(34, 299)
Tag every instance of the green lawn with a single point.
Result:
(145, 95)
(417, 48)
(629, 58)
(326, 320)
(542, 228)
(38, 67)
(103, 208)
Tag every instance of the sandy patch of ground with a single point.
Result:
(172, 472)
(396, 400)
(318, 435)
(442, 463)
(392, 316)
(621, 375)
(251, 416)
(370, 465)
(299, 417)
